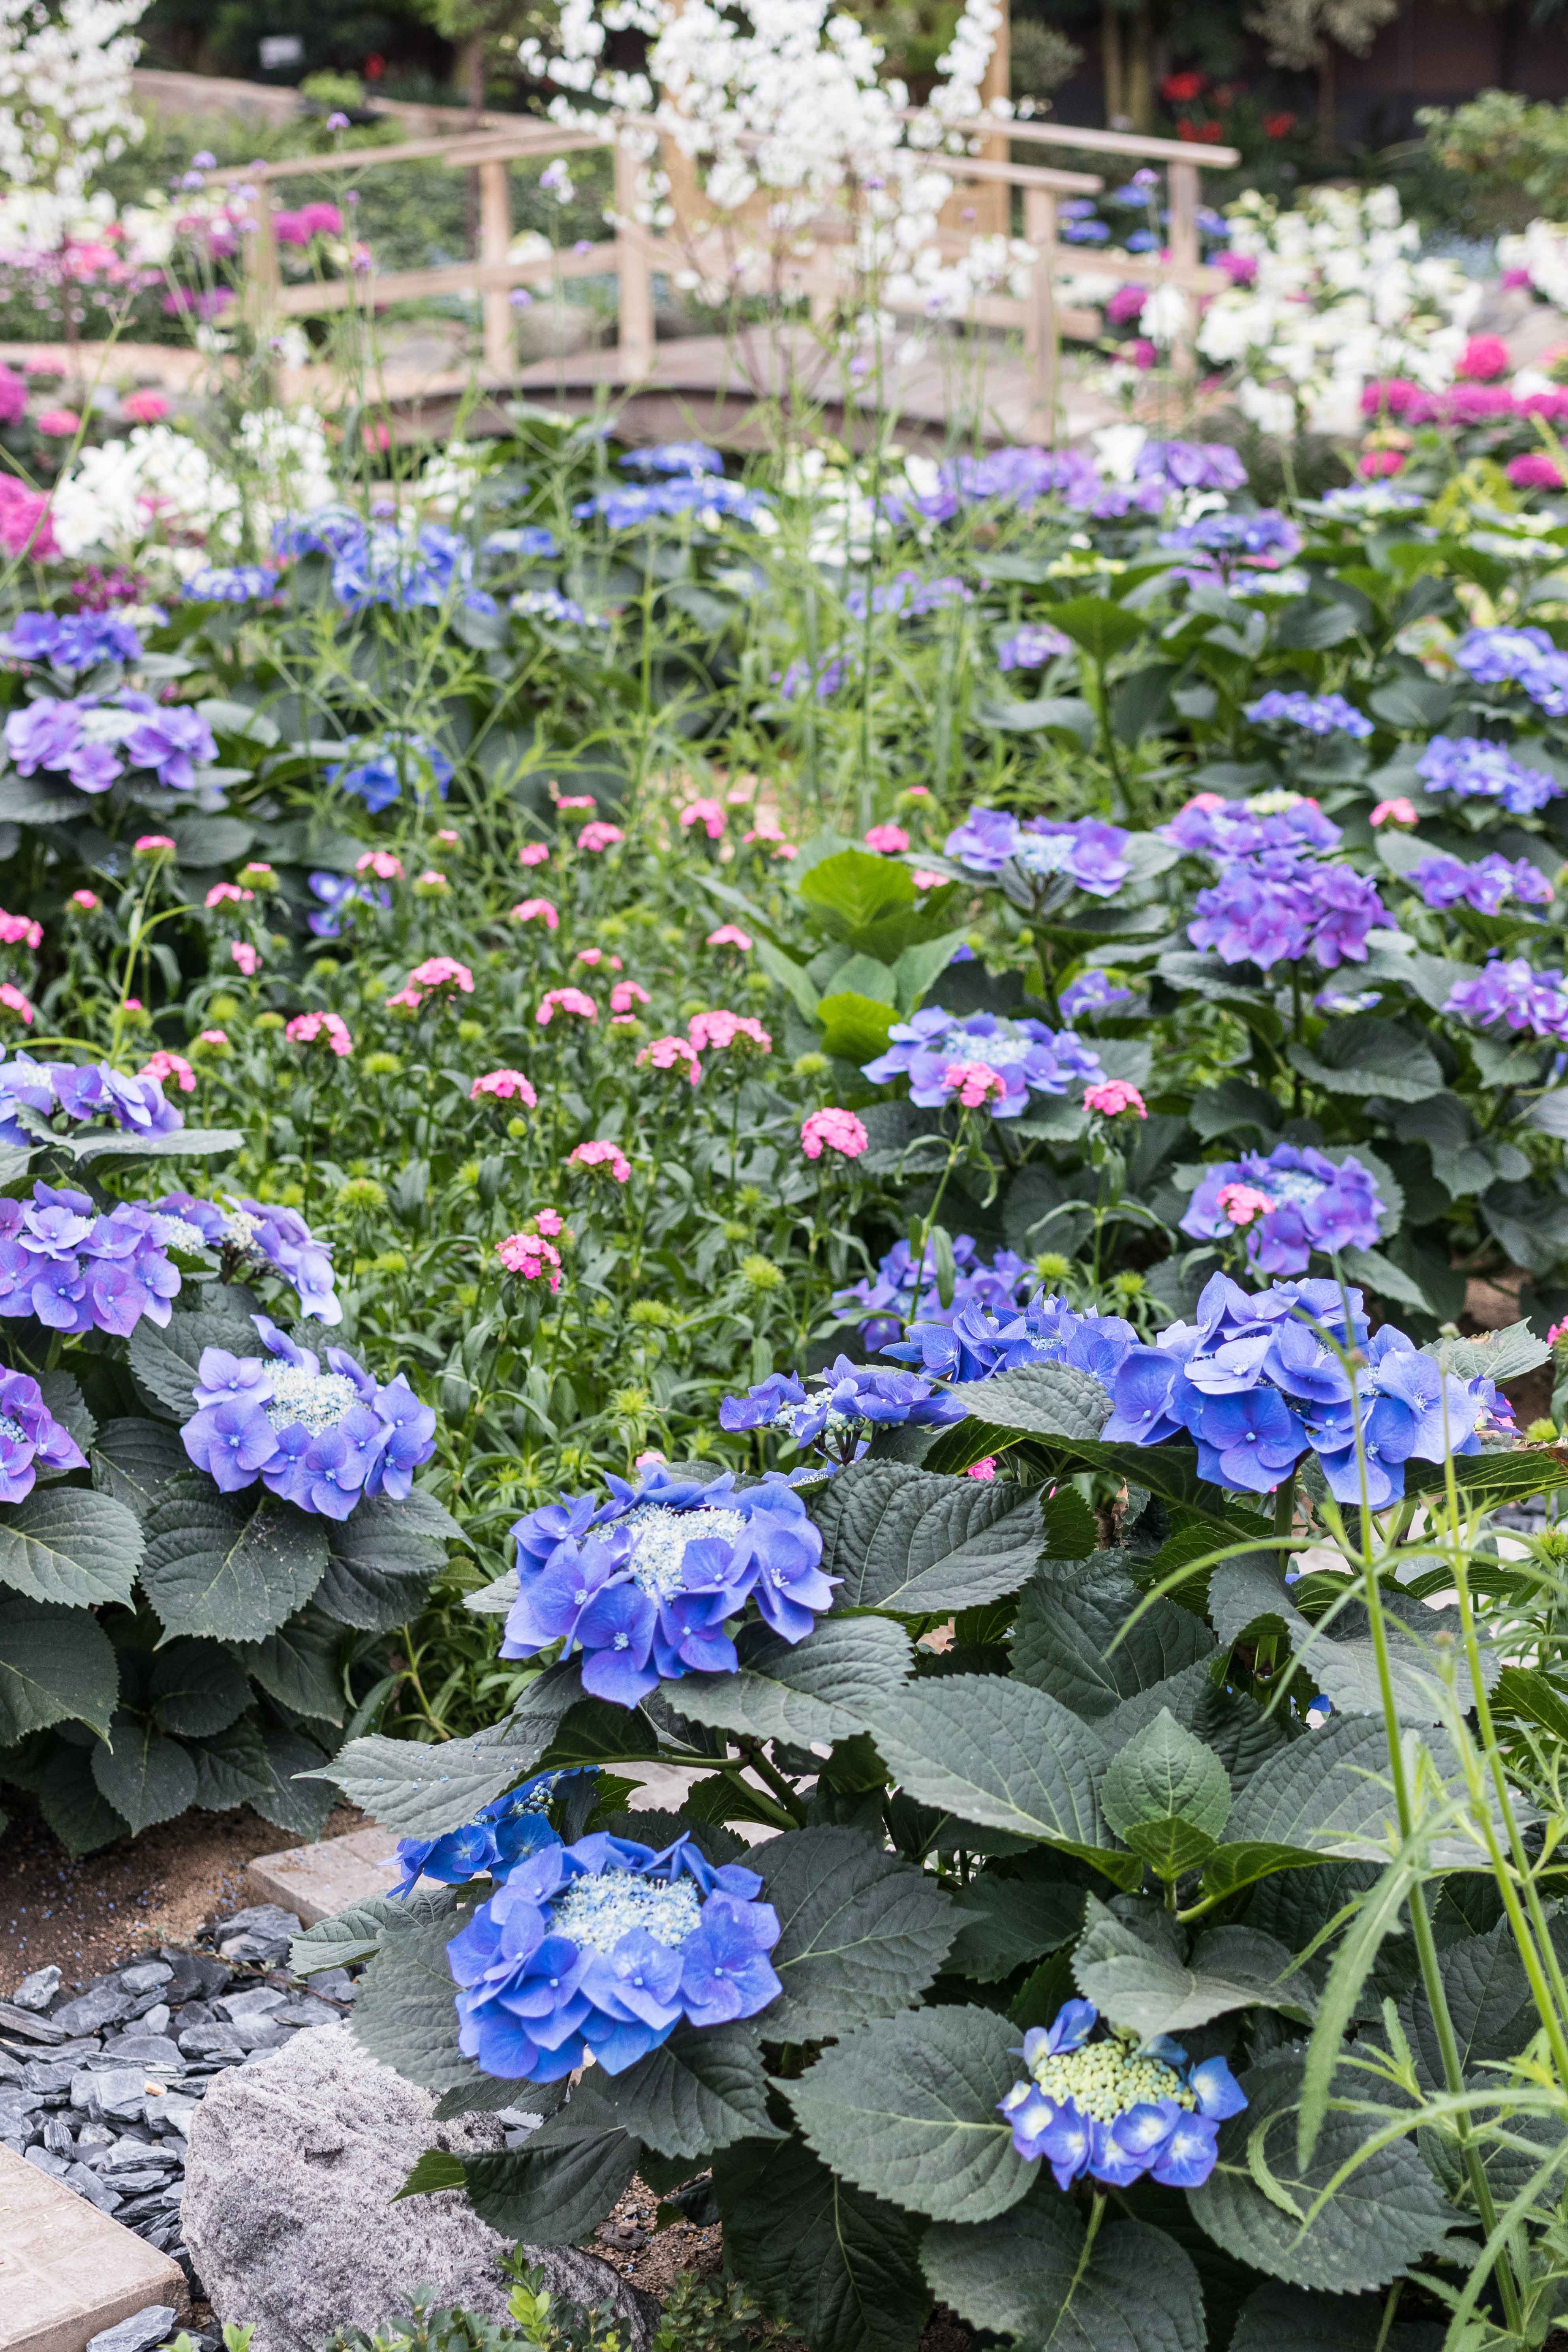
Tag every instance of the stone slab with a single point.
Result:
(67, 2271)
(314, 1881)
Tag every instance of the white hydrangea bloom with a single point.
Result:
(159, 498)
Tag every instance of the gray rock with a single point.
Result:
(261, 1936)
(57, 2136)
(86, 2183)
(117, 2093)
(102, 2006)
(195, 1973)
(135, 2154)
(289, 2215)
(47, 2162)
(211, 2042)
(333, 1984)
(17, 2105)
(21, 2023)
(154, 2053)
(97, 2135)
(156, 2019)
(245, 2008)
(306, 2011)
(37, 1990)
(154, 2325)
(12, 2069)
(48, 2075)
(147, 1976)
(169, 2115)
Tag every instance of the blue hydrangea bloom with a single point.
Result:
(1111, 2111)
(932, 1048)
(692, 458)
(597, 1951)
(1269, 823)
(1526, 658)
(1488, 885)
(248, 1236)
(645, 1585)
(1086, 851)
(978, 1342)
(1092, 991)
(378, 774)
(79, 1091)
(834, 1411)
(72, 641)
(549, 605)
(626, 506)
(884, 1302)
(1472, 768)
(31, 1439)
(501, 1834)
(1255, 1384)
(340, 893)
(530, 538)
(78, 1269)
(320, 1440)
(1316, 1204)
(231, 583)
(1320, 714)
(908, 595)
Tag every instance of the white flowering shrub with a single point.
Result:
(159, 498)
(65, 89)
(1541, 253)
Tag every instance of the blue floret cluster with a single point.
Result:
(320, 1440)
(377, 563)
(1085, 851)
(80, 1091)
(31, 1439)
(78, 1269)
(833, 1412)
(380, 768)
(935, 1049)
(644, 1584)
(978, 1341)
(597, 1951)
(500, 1835)
(1113, 2113)
(1277, 896)
(253, 1235)
(71, 641)
(884, 1302)
(1313, 1204)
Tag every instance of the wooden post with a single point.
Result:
(1041, 336)
(1181, 179)
(635, 327)
(263, 271)
(993, 206)
(495, 238)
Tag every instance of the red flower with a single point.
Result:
(1182, 88)
(1278, 126)
(1209, 135)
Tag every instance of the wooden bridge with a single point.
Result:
(660, 387)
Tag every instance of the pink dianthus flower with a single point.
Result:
(306, 1027)
(503, 1086)
(20, 930)
(382, 863)
(246, 957)
(709, 815)
(626, 993)
(712, 1032)
(226, 894)
(529, 910)
(565, 999)
(166, 1067)
(599, 835)
(1113, 1097)
(731, 935)
(888, 840)
(533, 852)
(833, 1130)
(442, 971)
(532, 1256)
(12, 998)
(601, 1154)
(1242, 1203)
(672, 1053)
(973, 1083)
(1398, 811)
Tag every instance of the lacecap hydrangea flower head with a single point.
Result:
(597, 1951)
(978, 1341)
(645, 1585)
(78, 1269)
(318, 1439)
(1028, 853)
(256, 1234)
(500, 1835)
(1114, 2111)
(30, 1438)
(941, 1054)
(1288, 1204)
(79, 1092)
(887, 1300)
(833, 1410)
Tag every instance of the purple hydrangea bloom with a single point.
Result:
(1502, 657)
(1267, 537)
(1510, 990)
(1092, 991)
(626, 506)
(595, 1951)
(76, 1269)
(798, 679)
(501, 1834)
(31, 1439)
(884, 1302)
(1474, 769)
(377, 777)
(932, 1048)
(320, 1440)
(908, 594)
(976, 1341)
(1086, 851)
(1271, 909)
(841, 1402)
(81, 1091)
(1032, 646)
(234, 584)
(644, 1583)
(1488, 885)
(249, 1236)
(340, 895)
(1316, 1203)
(172, 743)
(1019, 477)
(1320, 714)
(43, 734)
(72, 641)
(1191, 465)
(1225, 830)
(1113, 2112)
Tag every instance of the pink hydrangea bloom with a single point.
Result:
(1398, 811)
(503, 1086)
(306, 1027)
(973, 1083)
(565, 999)
(625, 995)
(1378, 465)
(712, 1032)
(531, 910)
(165, 1066)
(986, 1469)
(13, 396)
(382, 864)
(731, 935)
(551, 1221)
(672, 1053)
(533, 852)
(246, 957)
(601, 1154)
(87, 901)
(225, 894)
(1242, 1203)
(1536, 470)
(833, 1130)
(532, 1256)
(12, 998)
(599, 835)
(888, 840)
(594, 957)
(20, 930)
(1113, 1097)
(442, 971)
(1483, 358)
(709, 815)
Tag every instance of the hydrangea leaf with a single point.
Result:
(818, 1689)
(291, 1796)
(136, 1460)
(231, 1767)
(1505, 1355)
(1067, 1627)
(704, 2088)
(1008, 1921)
(165, 1362)
(142, 1774)
(1166, 1795)
(550, 2192)
(1145, 1986)
(911, 1540)
(1364, 1056)
(1054, 1401)
(354, 1932)
(1280, 2318)
(71, 1802)
(821, 2255)
(906, 2107)
(406, 2013)
(1384, 2215)
(862, 1934)
(57, 1664)
(299, 1665)
(423, 1791)
(1488, 2002)
(994, 1751)
(71, 1545)
(1494, 1478)
(1019, 2276)
(27, 800)
(180, 1143)
(381, 1557)
(194, 1689)
(235, 1566)
(495, 1599)
(61, 1392)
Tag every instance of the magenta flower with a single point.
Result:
(1112, 1097)
(598, 835)
(832, 1129)
(565, 999)
(306, 1027)
(672, 1053)
(503, 1086)
(531, 910)
(601, 1154)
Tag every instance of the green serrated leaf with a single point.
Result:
(703, 2089)
(423, 1791)
(906, 1539)
(1006, 1922)
(822, 2256)
(1069, 1641)
(235, 1566)
(1147, 1989)
(353, 1933)
(862, 1934)
(1050, 1400)
(194, 1689)
(557, 2186)
(56, 1664)
(1023, 2276)
(816, 1690)
(298, 1664)
(143, 1775)
(136, 1459)
(71, 1545)
(1163, 1773)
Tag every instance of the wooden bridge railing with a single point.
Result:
(635, 254)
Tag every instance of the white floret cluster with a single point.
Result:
(597, 1912)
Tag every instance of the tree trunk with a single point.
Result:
(1111, 66)
(1140, 70)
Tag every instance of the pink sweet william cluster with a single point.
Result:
(20, 930)
(672, 1053)
(169, 1070)
(972, 1083)
(226, 894)
(306, 1028)
(625, 998)
(382, 863)
(712, 1032)
(503, 1086)
(731, 935)
(709, 815)
(533, 852)
(833, 1130)
(565, 999)
(601, 1153)
(598, 835)
(888, 840)
(536, 910)
(531, 1257)
(1114, 1096)
(13, 1001)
